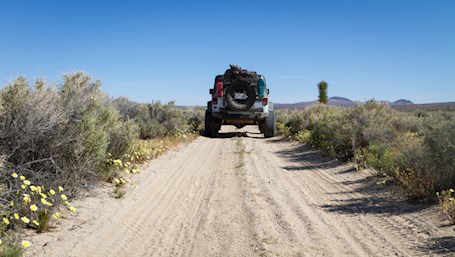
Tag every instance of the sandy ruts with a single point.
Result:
(242, 195)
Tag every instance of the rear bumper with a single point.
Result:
(256, 113)
(240, 116)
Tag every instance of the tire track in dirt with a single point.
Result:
(242, 195)
(131, 223)
(293, 211)
(390, 232)
(406, 229)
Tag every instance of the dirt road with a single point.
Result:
(242, 195)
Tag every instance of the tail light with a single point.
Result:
(219, 89)
(265, 100)
(214, 100)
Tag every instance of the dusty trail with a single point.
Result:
(242, 195)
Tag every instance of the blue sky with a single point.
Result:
(171, 50)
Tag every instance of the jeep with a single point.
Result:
(240, 97)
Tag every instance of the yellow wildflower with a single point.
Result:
(52, 192)
(117, 181)
(14, 175)
(35, 222)
(60, 189)
(67, 203)
(22, 177)
(26, 182)
(43, 195)
(23, 186)
(25, 220)
(16, 216)
(33, 207)
(25, 244)
(43, 201)
(72, 209)
(64, 197)
(118, 162)
(6, 221)
(26, 199)
(33, 188)
(11, 203)
(49, 203)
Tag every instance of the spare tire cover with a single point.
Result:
(240, 87)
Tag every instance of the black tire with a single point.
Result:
(240, 105)
(217, 126)
(210, 125)
(261, 126)
(270, 125)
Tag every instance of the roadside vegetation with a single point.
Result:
(58, 140)
(415, 149)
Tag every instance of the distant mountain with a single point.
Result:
(402, 102)
(338, 101)
(341, 101)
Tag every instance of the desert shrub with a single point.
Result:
(172, 118)
(127, 108)
(59, 135)
(195, 118)
(416, 148)
(90, 119)
(150, 129)
(374, 127)
(372, 121)
(29, 124)
(331, 132)
(303, 136)
(410, 166)
(447, 203)
(157, 120)
(122, 138)
(440, 150)
(378, 155)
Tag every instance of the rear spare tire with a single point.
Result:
(240, 87)
(270, 125)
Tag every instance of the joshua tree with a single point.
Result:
(323, 98)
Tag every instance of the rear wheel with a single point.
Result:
(270, 125)
(210, 125)
(261, 126)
